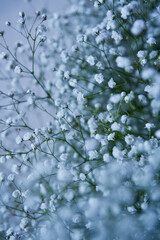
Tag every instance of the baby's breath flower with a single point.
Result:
(91, 60)
(16, 193)
(99, 78)
(27, 136)
(18, 70)
(111, 137)
(138, 27)
(149, 126)
(111, 83)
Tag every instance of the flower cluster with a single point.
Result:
(79, 125)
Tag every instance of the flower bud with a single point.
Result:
(44, 17)
(1, 33)
(8, 23)
(22, 14)
(38, 13)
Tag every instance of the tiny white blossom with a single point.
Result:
(99, 78)
(116, 126)
(18, 139)
(82, 176)
(27, 136)
(129, 139)
(109, 106)
(151, 41)
(111, 136)
(157, 134)
(115, 98)
(117, 37)
(138, 27)
(30, 100)
(11, 177)
(43, 206)
(91, 60)
(124, 62)
(23, 223)
(16, 193)
(64, 156)
(111, 83)
(106, 157)
(149, 126)
(91, 144)
(124, 119)
(93, 154)
(18, 70)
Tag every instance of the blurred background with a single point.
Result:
(9, 10)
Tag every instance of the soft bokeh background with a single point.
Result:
(9, 10)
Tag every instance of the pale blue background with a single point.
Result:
(9, 10)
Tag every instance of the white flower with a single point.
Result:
(3, 55)
(64, 56)
(149, 126)
(123, 62)
(147, 73)
(23, 223)
(117, 153)
(61, 113)
(99, 78)
(142, 99)
(9, 231)
(129, 139)
(111, 136)
(30, 100)
(117, 37)
(82, 176)
(110, 21)
(16, 193)
(57, 102)
(66, 75)
(116, 98)
(18, 139)
(43, 206)
(151, 41)
(91, 144)
(157, 134)
(91, 60)
(109, 106)
(106, 157)
(138, 27)
(63, 175)
(153, 54)
(11, 177)
(116, 126)
(111, 83)
(27, 136)
(92, 124)
(18, 70)
(93, 154)
(96, 4)
(129, 97)
(125, 12)
(124, 119)
(80, 98)
(64, 156)
(81, 38)
(142, 54)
